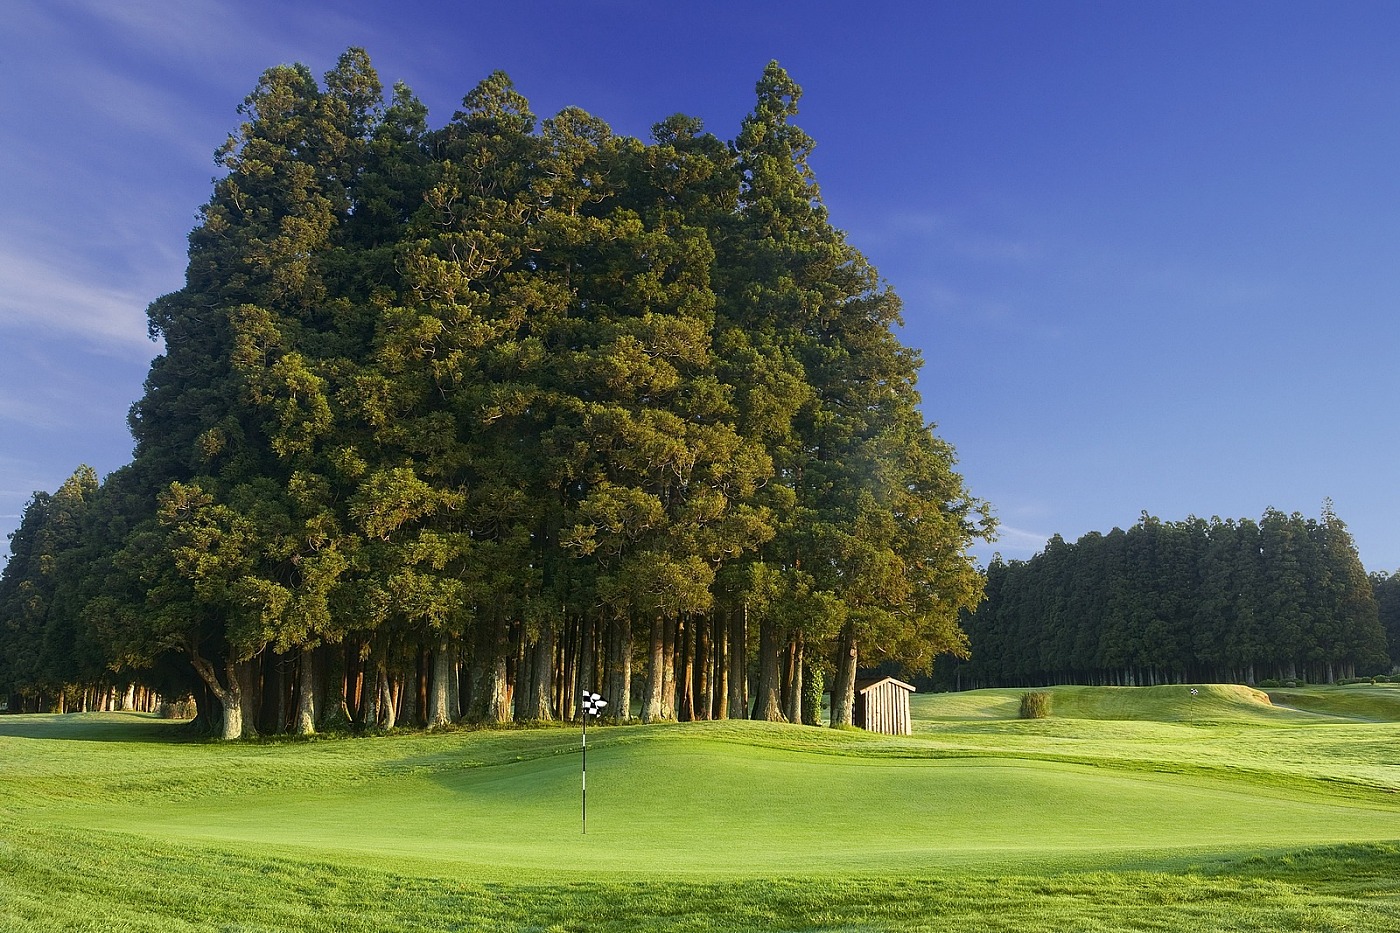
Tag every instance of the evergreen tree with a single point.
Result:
(41, 649)
(1385, 589)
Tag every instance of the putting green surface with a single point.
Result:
(695, 806)
(724, 798)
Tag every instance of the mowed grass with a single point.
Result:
(1367, 702)
(1147, 809)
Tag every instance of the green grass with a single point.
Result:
(1366, 702)
(1210, 703)
(1147, 809)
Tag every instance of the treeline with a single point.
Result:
(1169, 602)
(1386, 589)
(461, 422)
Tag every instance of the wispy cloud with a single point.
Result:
(1021, 539)
(1017, 541)
(31, 412)
(39, 293)
(946, 235)
(156, 115)
(181, 32)
(22, 478)
(54, 392)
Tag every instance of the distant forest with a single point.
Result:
(463, 422)
(1284, 598)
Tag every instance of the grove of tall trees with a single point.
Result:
(1385, 587)
(1170, 602)
(461, 422)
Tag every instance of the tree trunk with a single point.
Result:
(617, 688)
(354, 682)
(685, 671)
(567, 678)
(458, 673)
(768, 702)
(534, 693)
(492, 702)
(652, 709)
(523, 696)
(306, 692)
(331, 701)
(249, 675)
(371, 693)
(208, 710)
(439, 689)
(281, 684)
(719, 708)
(586, 682)
(388, 699)
(410, 705)
(792, 679)
(739, 664)
(490, 676)
(843, 689)
(668, 670)
(704, 664)
(544, 668)
(229, 694)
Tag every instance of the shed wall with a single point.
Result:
(885, 709)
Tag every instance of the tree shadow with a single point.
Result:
(96, 727)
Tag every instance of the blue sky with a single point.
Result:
(1150, 250)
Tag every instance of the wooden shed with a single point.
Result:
(882, 705)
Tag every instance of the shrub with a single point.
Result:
(178, 709)
(1035, 704)
(812, 689)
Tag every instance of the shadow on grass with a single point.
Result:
(97, 727)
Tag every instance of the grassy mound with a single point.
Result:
(1172, 703)
(1365, 702)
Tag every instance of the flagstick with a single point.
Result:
(592, 705)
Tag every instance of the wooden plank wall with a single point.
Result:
(887, 709)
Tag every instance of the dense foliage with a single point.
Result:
(464, 421)
(1386, 589)
(1283, 598)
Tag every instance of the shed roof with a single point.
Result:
(863, 685)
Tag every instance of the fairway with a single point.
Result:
(1102, 789)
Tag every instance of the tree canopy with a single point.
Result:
(466, 421)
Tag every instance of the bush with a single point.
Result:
(1269, 682)
(1035, 705)
(178, 709)
(813, 686)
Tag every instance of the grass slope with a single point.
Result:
(1174, 703)
(1365, 702)
(1226, 812)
